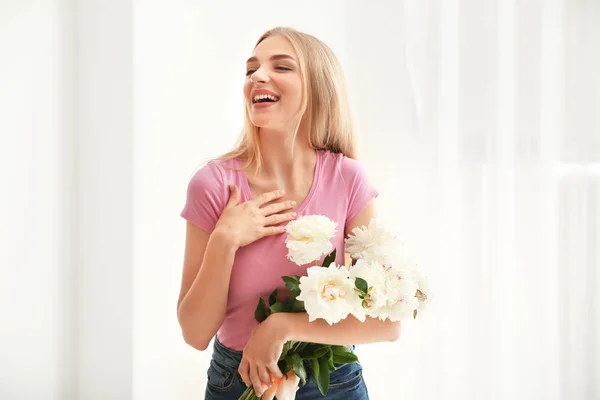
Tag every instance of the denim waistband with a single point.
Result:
(226, 356)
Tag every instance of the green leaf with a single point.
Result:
(315, 367)
(339, 349)
(278, 307)
(323, 376)
(361, 285)
(332, 366)
(286, 348)
(346, 358)
(261, 313)
(298, 366)
(300, 347)
(273, 298)
(298, 306)
(292, 283)
(314, 354)
(292, 299)
(284, 367)
(329, 259)
(415, 314)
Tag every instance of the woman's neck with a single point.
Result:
(284, 156)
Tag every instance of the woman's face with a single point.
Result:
(273, 87)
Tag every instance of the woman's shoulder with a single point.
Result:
(347, 175)
(212, 179)
(341, 164)
(207, 194)
(215, 170)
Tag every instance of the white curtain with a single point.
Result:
(493, 178)
(480, 125)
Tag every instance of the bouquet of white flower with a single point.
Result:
(382, 283)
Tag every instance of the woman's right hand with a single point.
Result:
(249, 221)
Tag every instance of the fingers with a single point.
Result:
(243, 371)
(273, 230)
(275, 371)
(256, 382)
(277, 207)
(257, 377)
(279, 218)
(268, 197)
(264, 376)
(234, 196)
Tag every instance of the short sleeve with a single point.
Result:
(207, 195)
(358, 186)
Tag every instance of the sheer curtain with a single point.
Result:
(491, 175)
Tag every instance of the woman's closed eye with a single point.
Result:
(278, 68)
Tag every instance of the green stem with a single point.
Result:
(295, 347)
(249, 394)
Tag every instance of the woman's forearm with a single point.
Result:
(296, 327)
(204, 307)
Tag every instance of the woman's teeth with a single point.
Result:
(265, 97)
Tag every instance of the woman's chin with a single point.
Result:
(264, 123)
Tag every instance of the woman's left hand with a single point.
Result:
(261, 354)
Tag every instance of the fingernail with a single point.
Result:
(282, 192)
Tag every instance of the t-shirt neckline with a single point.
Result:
(317, 173)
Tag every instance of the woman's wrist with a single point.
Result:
(280, 323)
(225, 239)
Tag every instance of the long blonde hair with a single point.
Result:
(325, 105)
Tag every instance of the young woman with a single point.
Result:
(296, 156)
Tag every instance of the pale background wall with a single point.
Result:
(478, 123)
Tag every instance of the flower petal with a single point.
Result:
(269, 394)
(288, 387)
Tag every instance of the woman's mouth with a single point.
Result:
(265, 98)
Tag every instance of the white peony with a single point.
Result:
(372, 244)
(391, 291)
(374, 275)
(309, 237)
(328, 293)
(423, 293)
(400, 290)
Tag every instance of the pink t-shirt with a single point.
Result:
(340, 190)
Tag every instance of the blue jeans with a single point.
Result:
(224, 381)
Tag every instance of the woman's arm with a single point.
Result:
(202, 305)
(295, 326)
(209, 260)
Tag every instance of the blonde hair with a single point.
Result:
(325, 107)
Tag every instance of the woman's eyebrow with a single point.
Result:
(273, 58)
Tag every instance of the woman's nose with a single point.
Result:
(260, 75)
